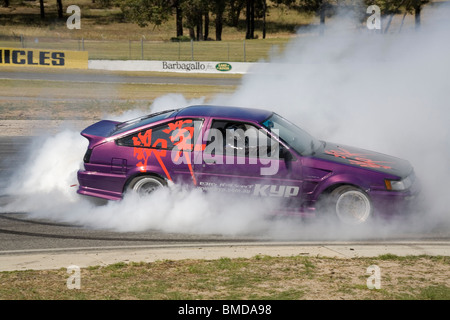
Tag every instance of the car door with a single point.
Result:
(243, 158)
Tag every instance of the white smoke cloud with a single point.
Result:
(389, 93)
(386, 92)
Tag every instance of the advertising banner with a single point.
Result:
(172, 66)
(24, 57)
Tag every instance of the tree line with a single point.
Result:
(59, 6)
(196, 15)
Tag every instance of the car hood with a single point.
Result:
(364, 159)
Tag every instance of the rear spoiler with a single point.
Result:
(97, 132)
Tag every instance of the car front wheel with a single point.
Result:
(351, 205)
(145, 185)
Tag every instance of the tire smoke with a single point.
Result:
(385, 92)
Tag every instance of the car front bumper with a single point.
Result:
(397, 203)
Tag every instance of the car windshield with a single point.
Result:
(142, 121)
(298, 139)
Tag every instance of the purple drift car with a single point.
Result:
(244, 151)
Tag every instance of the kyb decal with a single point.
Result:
(268, 190)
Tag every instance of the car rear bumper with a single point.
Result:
(101, 185)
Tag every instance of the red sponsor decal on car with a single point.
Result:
(180, 134)
(144, 140)
(181, 138)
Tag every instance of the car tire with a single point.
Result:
(350, 205)
(145, 185)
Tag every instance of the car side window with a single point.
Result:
(238, 139)
(179, 133)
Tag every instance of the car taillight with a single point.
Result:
(87, 156)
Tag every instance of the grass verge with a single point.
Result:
(260, 277)
(59, 100)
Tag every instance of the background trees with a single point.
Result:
(197, 16)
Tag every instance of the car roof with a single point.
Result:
(245, 114)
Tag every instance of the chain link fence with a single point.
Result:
(233, 50)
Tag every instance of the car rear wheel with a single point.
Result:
(351, 205)
(145, 185)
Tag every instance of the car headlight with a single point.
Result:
(399, 185)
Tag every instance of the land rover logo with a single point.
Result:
(223, 66)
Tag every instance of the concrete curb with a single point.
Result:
(85, 257)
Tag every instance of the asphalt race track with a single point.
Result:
(35, 243)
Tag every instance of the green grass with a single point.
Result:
(260, 277)
(439, 292)
(83, 100)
